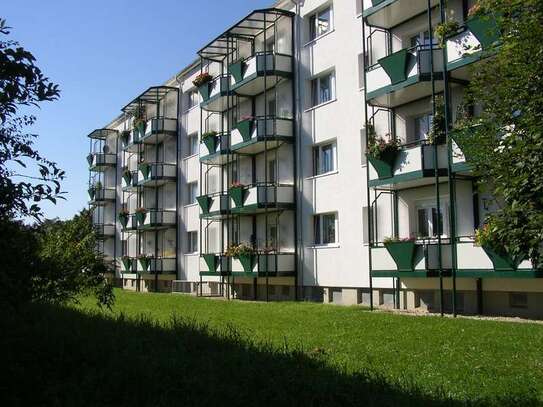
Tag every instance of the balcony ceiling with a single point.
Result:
(102, 134)
(152, 95)
(390, 13)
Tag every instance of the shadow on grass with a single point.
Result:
(63, 357)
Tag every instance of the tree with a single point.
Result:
(504, 143)
(26, 178)
(68, 262)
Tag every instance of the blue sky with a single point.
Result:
(102, 54)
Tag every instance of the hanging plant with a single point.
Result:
(125, 136)
(123, 217)
(139, 120)
(243, 252)
(381, 148)
(127, 176)
(437, 130)
(444, 30)
(210, 139)
(141, 214)
(202, 79)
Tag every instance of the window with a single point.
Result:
(272, 236)
(192, 98)
(192, 144)
(320, 23)
(362, 63)
(322, 89)
(421, 39)
(192, 192)
(427, 220)
(422, 126)
(325, 228)
(518, 300)
(324, 158)
(192, 242)
(270, 44)
(270, 106)
(272, 170)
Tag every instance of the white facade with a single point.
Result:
(303, 87)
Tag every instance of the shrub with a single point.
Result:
(443, 30)
(202, 79)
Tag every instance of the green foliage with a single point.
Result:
(437, 131)
(443, 30)
(22, 84)
(209, 134)
(202, 79)
(69, 263)
(242, 249)
(505, 142)
(379, 146)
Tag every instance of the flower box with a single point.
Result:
(403, 253)
(205, 203)
(211, 261)
(238, 194)
(245, 128)
(236, 70)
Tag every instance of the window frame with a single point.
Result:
(428, 205)
(319, 232)
(316, 88)
(318, 158)
(190, 137)
(193, 99)
(190, 196)
(192, 241)
(313, 22)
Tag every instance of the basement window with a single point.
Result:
(518, 300)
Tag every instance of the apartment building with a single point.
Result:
(246, 175)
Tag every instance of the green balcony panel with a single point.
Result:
(211, 261)
(238, 195)
(211, 143)
(127, 263)
(376, 2)
(123, 219)
(204, 91)
(402, 253)
(247, 262)
(205, 203)
(145, 169)
(236, 70)
(245, 127)
(395, 65)
(485, 29)
(140, 217)
(90, 159)
(145, 262)
(91, 192)
(502, 262)
(127, 178)
(384, 164)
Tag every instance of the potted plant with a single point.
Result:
(202, 82)
(485, 237)
(141, 214)
(127, 263)
(245, 127)
(145, 169)
(139, 122)
(245, 253)
(444, 30)
(145, 261)
(127, 176)
(123, 217)
(381, 152)
(402, 251)
(237, 192)
(210, 139)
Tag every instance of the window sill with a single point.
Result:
(326, 174)
(316, 39)
(190, 205)
(325, 246)
(320, 105)
(192, 254)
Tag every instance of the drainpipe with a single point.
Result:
(298, 131)
(178, 180)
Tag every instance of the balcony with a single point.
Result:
(411, 166)
(101, 161)
(259, 198)
(156, 174)
(404, 76)
(104, 231)
(157, 130)
(262, 265)
(252, 136)
(101, 196)
(214, 265)
(479, 262)
(160, 265)
(259, 72)
(215, 94)
(410, 258)
(130, 181)
(215, 150)
(389, 13)
(214, 205)
(467, 46)
(155, 219)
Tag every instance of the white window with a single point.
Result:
(422, 126)
(192, 98)
(272, 170)
(427, 220)
(320, 23)
(325, 228)
(192, 242)
(324, 158)
(192, 188)
(192, 144)
(323, 89)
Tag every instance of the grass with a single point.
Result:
(159, 349)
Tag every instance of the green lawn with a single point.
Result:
(205, 352)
